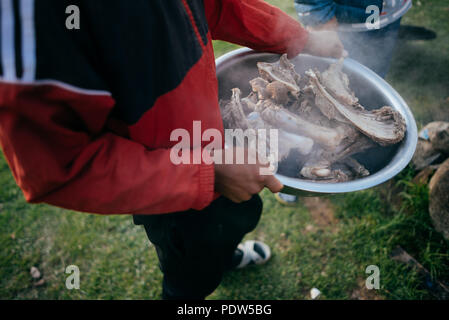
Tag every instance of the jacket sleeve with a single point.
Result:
(255, 24)
(59, 152)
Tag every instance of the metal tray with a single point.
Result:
(236, 68)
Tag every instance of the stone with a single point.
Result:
(315, 293)
(439, 199)
(424, 176)
(35, 273)
(438, 135)
(425, 155)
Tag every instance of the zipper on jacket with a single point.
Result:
(195, 27)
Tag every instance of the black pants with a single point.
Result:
(195, 247)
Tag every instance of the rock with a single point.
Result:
(35, 273)
(315, 293)
(425, 155)
(424, 176)
(439, 199)
(433, 145)
(438, 133)
(309, 228)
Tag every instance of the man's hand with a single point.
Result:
(325, 44)
(324, 41)
(239, 182)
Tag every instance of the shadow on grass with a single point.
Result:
(408, 32)
(420, 73)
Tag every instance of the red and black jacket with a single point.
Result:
(86, 115)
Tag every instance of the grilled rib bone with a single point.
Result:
(282, 71)
(283, 119)
(385, 125)
(232, 114)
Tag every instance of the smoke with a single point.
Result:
(368, 35)
(373, 48)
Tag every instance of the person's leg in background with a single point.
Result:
(195, 248)
(373, 49)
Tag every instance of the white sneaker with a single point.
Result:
(286, 199)
(253, 252)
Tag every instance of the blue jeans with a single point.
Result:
(373, 49)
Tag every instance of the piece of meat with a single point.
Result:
(311, 113)
(317, 171)
(321, 163)
(326, 107)
(233, 114)
(288, 141)
(252, 97)
(249, 103)
(282, 71)
(336, 83)
(358, 169)
(281, 118)
(349, 147)
(317, 168)
(259, 86)
(385, 125)
(278, 92)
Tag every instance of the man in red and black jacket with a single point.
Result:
(86, 116)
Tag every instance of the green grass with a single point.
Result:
(116, 260)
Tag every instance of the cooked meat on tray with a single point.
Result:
(318, 115)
